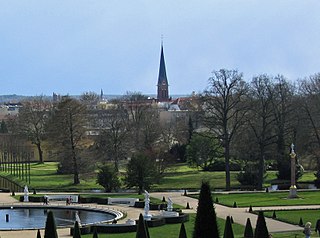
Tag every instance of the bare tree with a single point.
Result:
(224, 109)
(261, 119)
(67, 130)
(112, 143)
(32, 121)
(282, 104)
(310, 103)
(144, 120)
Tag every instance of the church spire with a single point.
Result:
(163, 91)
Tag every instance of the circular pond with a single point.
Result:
(15, 218)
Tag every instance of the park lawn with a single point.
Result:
(267, 199)
(293, 216)
(44, 177)
(178, 177)
(172, 230)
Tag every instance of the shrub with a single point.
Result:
(248, 177)
(248, 232)
(50, 230)
(228, 232)
(108, 178)
(142, 228)
(261, 230)
(182, 233)
(206, 220)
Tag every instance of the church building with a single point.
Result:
(163, 87)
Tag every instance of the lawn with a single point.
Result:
(177, 177)
(293, 216)
(172, 230)
(267, 199)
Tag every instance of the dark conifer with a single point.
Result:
(188, 205)
(185, 193)
(38, 234)
(206, 220)
(163, 199)
(76, 230)
(261, 230)
(248, 232)
(95, 233)
(141, 228)
(231, 219)
(228, 232)
(182, 233)
(274, 216)
(235, 205)
(301, 222)
(50, 230)
(217, 200)
(250, 209)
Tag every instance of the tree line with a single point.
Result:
(256, 121)
(234, 123)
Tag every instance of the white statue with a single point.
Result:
(147, 216)
(26, 194)
(146, 202)
(78, 218)
(170, 205)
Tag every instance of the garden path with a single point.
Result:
(239, 215)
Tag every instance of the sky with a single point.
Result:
(77, 46)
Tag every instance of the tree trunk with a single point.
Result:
(227, 161)
(261, 168)
(40, 152)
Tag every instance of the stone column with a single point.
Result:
(293, 188)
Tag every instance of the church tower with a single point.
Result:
(163, 87)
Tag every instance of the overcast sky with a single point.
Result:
(74, 46)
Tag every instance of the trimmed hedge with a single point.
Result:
(114, 228)
(83, 230)
(124, 228)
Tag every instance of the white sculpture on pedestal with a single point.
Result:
(146, 215)
(170, 205)
(26, 194)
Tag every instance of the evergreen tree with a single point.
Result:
(248, 232)
(182, 233)
(38, 234)
(228, 232)
(206, 219)
(141, 228)
(261, 227)
(95, 233)
(76, 230)
(50, 229)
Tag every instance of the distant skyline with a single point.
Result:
(71, 47)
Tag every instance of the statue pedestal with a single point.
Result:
(293, 192)
(147, 217)
(169, 214)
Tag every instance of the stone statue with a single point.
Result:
(170, 205)
(147, 216)
(26, 194)
(78, 218)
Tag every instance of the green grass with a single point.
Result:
(172, 230)
(44, 177)
(293, 216)
(267, 199)
(178, 177)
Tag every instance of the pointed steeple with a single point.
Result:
(163, 91)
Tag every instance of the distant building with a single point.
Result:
(163, 86)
